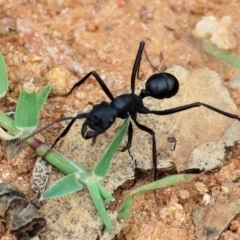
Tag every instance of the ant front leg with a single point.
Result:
(66, 130)
(63, 133)
(99, 80)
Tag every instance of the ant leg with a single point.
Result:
(68, 127)
(79, 116)
(136, 66)
(154, 150)
(130, 136)
(65, 131)
(99, 80)
(192, 105)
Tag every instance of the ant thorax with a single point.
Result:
(126, 104)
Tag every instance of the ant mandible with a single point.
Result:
(101, 117)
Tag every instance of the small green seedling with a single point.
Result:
(124, 210)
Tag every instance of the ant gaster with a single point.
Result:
(101, 117)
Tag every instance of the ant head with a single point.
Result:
(98, 120)
(160, 86)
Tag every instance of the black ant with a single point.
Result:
(101, 117)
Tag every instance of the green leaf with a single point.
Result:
(27, 114)
(232, 59)
(3, 77)
(124, 209)
(162, 183)
(104, 193)
(8, 124)
(66, 185)
(102, 167)
(42, 96)
(98, 203)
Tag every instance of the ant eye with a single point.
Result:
(162, 85)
